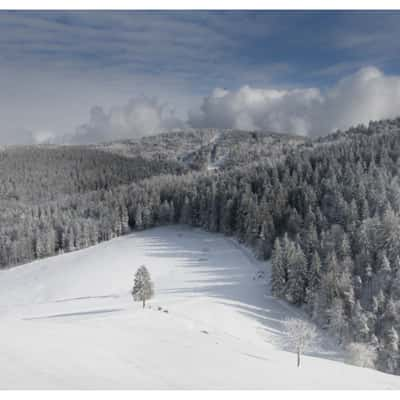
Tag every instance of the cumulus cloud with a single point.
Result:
(366, 95)
(252, 108)
(27, 137)
(359, 98)
(139, 117)
(43, 137)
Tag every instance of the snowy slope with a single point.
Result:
(69, 322)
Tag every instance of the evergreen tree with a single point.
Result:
(185, 217)
(165, 212)
(337, 319)
(314, 276)
(360, 324)
(297, 276)
(143, 288)
(278, 276)
(139, 217)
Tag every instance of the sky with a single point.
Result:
(84, 77)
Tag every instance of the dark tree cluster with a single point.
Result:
(33, 174)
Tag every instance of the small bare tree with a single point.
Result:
(300, 336)
(143, 286)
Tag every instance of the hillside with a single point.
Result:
(38, 174)
(326, 213)
(69, 321)
(203, 149)
(57, 198)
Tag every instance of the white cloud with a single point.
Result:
(43, 136)
(252, 108)
(139, 117)
(366, 95)
(359, 98)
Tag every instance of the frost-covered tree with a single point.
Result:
(139, 217)
(143, 288)
(165, 212)
(393, 339)
(297, 275)
(337, 318)
(186, 212)
(360, 324)
(314, 278)
(124, 217)
(300, 336)
(392, 347)
(278, 275)
(361, 354)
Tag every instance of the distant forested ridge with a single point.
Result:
(34, 174)
(327, 212)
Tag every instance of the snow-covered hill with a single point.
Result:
(69, 322)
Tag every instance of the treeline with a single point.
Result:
(328, 215)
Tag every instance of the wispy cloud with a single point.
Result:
(129, 42)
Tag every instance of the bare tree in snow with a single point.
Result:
(300, 336)
(143, 286)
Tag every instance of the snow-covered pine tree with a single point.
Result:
(314, 277)
(278, 275)
(139, 217)
(185, 216)
(361, 329)
(392, 339)
(124, 217)
(171, 216)
(147, 217)
(143, 288)
(165, 212)
(389, 354)
(297, 275)
(361, 354)
(337, 319)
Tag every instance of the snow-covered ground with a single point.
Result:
(69, 322)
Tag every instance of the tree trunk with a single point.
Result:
(298, 358)
(144, 302)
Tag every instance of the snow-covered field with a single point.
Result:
(69, 322)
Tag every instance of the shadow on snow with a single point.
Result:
(231, 284)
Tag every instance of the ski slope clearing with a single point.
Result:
(69, 322)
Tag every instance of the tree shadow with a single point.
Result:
(223, 270)
(75, 314)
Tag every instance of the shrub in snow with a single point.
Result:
(300, 336)
(361, 354)
(143, 286)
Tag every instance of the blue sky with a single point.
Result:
(54, 66)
